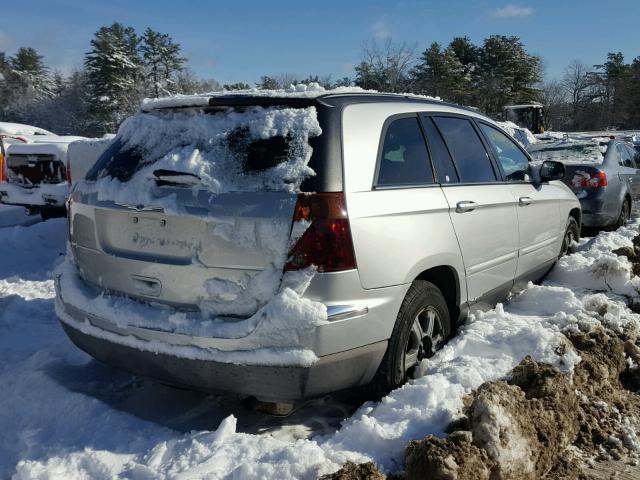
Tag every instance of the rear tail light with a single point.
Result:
(68, 172)
(594, 180)
(2, 174)
(327, 242)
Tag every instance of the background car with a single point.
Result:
(603, 174)
(36, 175)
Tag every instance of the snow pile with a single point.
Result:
(569, 151)
(13, 215)
(521, 134)
(51, 438)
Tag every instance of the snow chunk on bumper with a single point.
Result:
(279, 333)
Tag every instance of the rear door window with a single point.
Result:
(445, 170)
(624, 157)
(404, 159)
(515, 164)
(464, 144)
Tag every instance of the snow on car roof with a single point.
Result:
(21, 129)
(59, 149)
(53, 138)
(300, 91)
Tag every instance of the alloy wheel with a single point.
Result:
(425, 338)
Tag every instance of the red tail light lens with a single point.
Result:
(327, 242)
(594, 180)
(68, 172)
(2, 175)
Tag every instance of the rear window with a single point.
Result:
(405, 160)
(251, 149)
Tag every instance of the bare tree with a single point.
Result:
(385, 66)
(577, 84)
(553, 95)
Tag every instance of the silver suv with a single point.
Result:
(285, 246)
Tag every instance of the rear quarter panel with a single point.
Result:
(397, 232)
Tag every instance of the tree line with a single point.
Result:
(122, 67)
(595, 97)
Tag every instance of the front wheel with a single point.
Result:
(571, 234)
(422, 327)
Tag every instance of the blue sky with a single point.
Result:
(241, 40)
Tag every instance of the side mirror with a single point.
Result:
(551, 170)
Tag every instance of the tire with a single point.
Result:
(571, 233)
(625, 214)
(423, 306)
(49, 213)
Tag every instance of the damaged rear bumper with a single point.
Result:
(183, 361)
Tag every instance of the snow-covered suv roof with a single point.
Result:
(300, 95)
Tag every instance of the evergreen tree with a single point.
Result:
(632, 95)
(27, 74)
(465, 51)
(267, 83)
(114, 70)
(440, 73)
(236, 86)
(609, 81)
(506, 73)
(162, 60)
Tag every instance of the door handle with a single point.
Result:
(466, 206)
(524, 201)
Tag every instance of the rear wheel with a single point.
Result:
(571, 234)
(422, 327)
(625, 214)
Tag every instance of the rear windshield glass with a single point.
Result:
(253, 149)
(568, 152)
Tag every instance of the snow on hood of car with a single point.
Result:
(521, 134)
(21, 129)
(569, 151)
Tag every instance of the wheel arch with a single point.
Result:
(577, 215)
(446, 278)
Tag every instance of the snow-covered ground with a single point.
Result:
(11, 215)
(65, 416)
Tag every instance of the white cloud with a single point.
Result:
(512, 11)
(380, 30)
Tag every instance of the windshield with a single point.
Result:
(252, 149)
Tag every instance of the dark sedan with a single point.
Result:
(604, 175)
